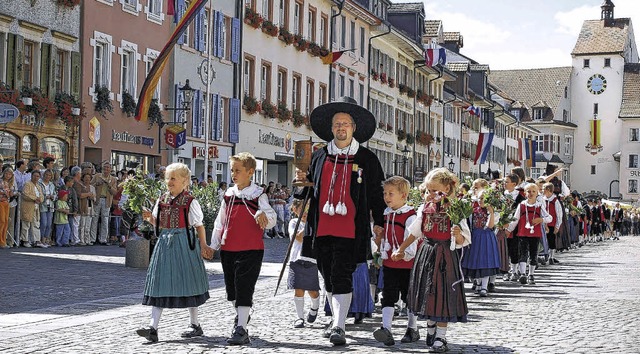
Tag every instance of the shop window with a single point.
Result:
(56, 148)
(8, 148)
(29, 143)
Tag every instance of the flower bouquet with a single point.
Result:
(493, 197)
(506, 213)
(457, 209)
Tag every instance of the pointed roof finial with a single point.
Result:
(607, 10)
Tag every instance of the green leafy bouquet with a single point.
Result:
(142, 192)
(493, 197)
(505, 211)
(457, 209)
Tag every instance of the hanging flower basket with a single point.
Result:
(251, 105)
(69, 111)
(374, 75)
(298, 118)
(401, 135)
(410, 138)
(269, 28)
(300, 43)
(284, 114)
(252, 18)
(128, 104)
(285, 36)
(103, 102)
(383, 78)
(269, 110)
(41, 107)
(155, 115)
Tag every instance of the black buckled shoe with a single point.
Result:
(491, 288)
(439, 346)
(384, 335)
(312, 317)
(327, 330)
(337, 336)
(431, 337)
(240, 336)
(196, 331)
(299, 323)
(410, 336)
(150, 333)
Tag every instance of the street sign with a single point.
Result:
(175, 136)
(8, 113)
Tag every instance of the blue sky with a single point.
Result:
(518, 34)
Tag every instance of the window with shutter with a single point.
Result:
(234, 120)
(195, 114)
(178, 99)
(45, 62)
(181, 9)
(235, 40)
(213, 130)
(222, 35)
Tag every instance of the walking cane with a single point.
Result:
(302, 160)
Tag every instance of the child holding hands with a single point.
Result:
(244, 214)
(396, 273)
(176, 277)
(436, 289)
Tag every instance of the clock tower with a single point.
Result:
(602, 50)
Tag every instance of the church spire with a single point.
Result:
(607, 11)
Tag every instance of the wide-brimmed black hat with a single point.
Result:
(322, 116)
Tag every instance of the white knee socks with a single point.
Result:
(193, 316)
(431, 327)
(156, 312)
(485, 283)
(341, 304)
(243, 315)
(372, 289)
(387, 317)
(299, 302)
(523, 267)
(412, 320)
(315, 303)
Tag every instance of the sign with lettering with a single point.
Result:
(635, 173)
(175, 136)
(198, 151)
(8, 113)
(125, 137)
(270, 139)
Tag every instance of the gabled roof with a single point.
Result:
(518, 105)
(540, 104)
(457, 66)
(432, 28)
(407, 7)
(630, 107)
(596, 38)
(530, 86)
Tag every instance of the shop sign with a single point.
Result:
(198, 151)
(270, 139)
(94, 130)
(8, 113)
(125, 137)
(175, 136)
(635, 173)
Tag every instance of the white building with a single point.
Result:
(630, 139)
(603, 49)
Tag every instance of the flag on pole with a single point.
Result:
(332, 57)
(171, 8)
(532, 147)
(484, 146)
(474, 111)
(436, 56)
(595, 132)
(151, 82)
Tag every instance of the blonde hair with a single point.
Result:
(548, 187)
(483, 183)
(179, 169)
(13, 175)
(246, 159)
(531, 186)
(443, 176)
(400, 183)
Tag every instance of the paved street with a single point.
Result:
(83, 300)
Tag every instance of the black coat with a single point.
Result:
(367, 197)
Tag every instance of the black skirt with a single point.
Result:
(435, 289)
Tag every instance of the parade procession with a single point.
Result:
(319, 175)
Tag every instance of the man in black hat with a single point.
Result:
(346, 195)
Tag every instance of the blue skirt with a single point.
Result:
(176, 277)
(483, 257)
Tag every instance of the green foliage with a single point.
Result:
(457, 209)
(128, 104)
(209, 201)
(142, 192)
(155, 115)
(493, 197)
(506, 212)
(415, 199)
(103, 102)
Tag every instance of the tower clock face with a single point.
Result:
(596, 84)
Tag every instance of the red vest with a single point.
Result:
(399, 226)
(533, 212)
(243, 232)
(171, 212)
(551, 209)
(337, 225)
(479, 216)
(435, 222)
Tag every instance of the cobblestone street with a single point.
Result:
(83, 300)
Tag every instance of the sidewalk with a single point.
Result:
(83, 300)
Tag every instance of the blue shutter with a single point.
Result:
(213, 129)
(177, 99)
(234, 120)
(199, 36)
(180, 9)
(195, 114)
(220, 23)
(196, 32)
(235, 40)
(216, 33)
(220, 119)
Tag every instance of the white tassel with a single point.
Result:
(326, 207)
(332, 210)
(344, 209)
(224, 237)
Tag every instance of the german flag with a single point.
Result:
(332, 57)
(151, 82)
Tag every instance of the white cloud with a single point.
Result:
(523, 59)
(570, 22)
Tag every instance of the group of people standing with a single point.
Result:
(355, 215)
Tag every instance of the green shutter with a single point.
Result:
(11, 59)
(44, 68)
(76, 74)
(19, 74)
(53, 58)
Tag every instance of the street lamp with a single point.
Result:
(406, 153)
(452, 165)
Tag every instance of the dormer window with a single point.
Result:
(516, 113)
(585, 63)
(538, 113)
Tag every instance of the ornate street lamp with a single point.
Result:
(452, 165)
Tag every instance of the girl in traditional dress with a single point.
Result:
(176, 277)
(436, 289)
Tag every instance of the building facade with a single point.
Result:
(40, 58)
